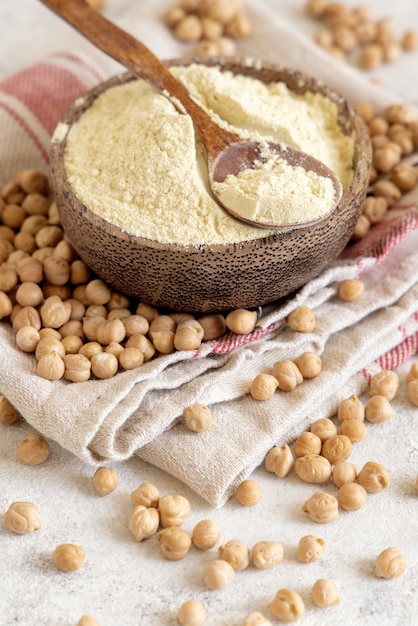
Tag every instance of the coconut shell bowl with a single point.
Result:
(219, 277)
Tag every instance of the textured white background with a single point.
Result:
(124, 583)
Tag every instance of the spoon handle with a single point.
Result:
(135, 56)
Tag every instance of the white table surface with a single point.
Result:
(123, 583)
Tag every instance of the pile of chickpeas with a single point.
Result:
(352, 34)
(394, 138)
(74, 323)
(212, 26)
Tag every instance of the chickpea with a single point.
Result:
(324, 428)
(110, 331)
(343, 472)
(355, 430)
(146, 494)
(263, 387)
(287, 605)
(313, 468)
(388, 190)
(23, 518)
(324, 593)
(413, 391)
(198, 418)
(374, 209)
(307, 443)
(378, 409)
(90, 348)
(105, 480)
(321, 507)
(88, 620)
(214, 326)
(302, 319)
(287, 374)
(309, 364)
(351, 496)
(350, 408)
(32, 181)
(315, 8)
(188, 29)
(266, 554)
(336, 448)
(141, 343)
(404, 177)
(32, 450)
(390, 563)
(27, 338)
(129, 358)
(255, 618)
(241, 321)
(206, 534)
(350, 289)
(173, 510)
(77, 367)
(51, 366)
(174, 542)
(192, 613)
(98, 292)
(135, 324)
(68, 557)
(236, 553)
(8, 278)
(371, 56)
(188, 335)
(310, 549)
(71, 343)
(384, 383)
(279, 460)
(54, 312)
(104, 365)
(249, 492)
(8, 414)
(26, 316)
(48, 236)
(374, 477)
(146, 310)
(143, 522)
(218, 574)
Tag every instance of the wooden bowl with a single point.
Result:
(205, 278)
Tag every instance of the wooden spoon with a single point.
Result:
(227, 153)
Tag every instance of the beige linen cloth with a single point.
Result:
(139, 412)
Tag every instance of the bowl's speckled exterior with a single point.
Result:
(207, 278)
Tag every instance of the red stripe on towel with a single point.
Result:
(28, 130)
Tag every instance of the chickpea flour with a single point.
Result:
(135, 161)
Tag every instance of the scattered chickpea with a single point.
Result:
(337, 448)
(8, 414)
(174, 543)
(143, 522)
(307, 443)
(173, 509)
(255, 618)
(374, 477)
(192, 613)
(206, 534)
(384, 383)
(218, 574)
(324, 593)
(267, 554)
(241, 321)
(351, 496)
(68, 557)
(378, 409)
(249, 492)
(321, 507)
(350, 408)
(105, 480)
(279, 460)
(355, 430)
(343, 472)
(310, 549)
(198, 418)
(287, 605)
(88, 620)
(350, 289)
(390, 563)
(236, 553)
(313, 468)
(287, 374)
(23, 518)
(324, 428)
(309, 364)
(32, 450)
(302, 319)
(263, 387)
(146, 494)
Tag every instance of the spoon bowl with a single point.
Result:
(227, 154)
